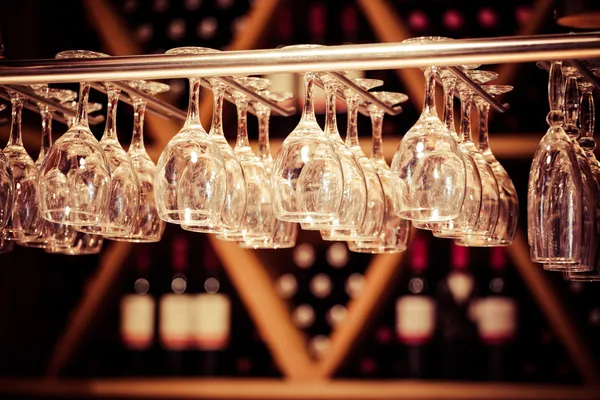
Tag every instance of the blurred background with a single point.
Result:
(67, 316)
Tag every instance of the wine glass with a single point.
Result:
(307, 178)
(122, 207)
(6, 191)
(234, 208)
(375, 200)
(508, 211)
(395, 233)
(354, 200)
(191, 182)
(259, 220)
(84, 244)
(428, 168)
(148, 227)
(285, 233)
(554, 195)
(23, 223)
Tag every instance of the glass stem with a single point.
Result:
(217, 118)
(81, 118)
(242, 127)
(587, 121)
(330, 118)
(16, 137)
(556, 95)
(110, 129)
(137, 137)
(46, 132)
(263, 114)
(377, 124)
(193, 115)
(308, 111)
(571, 107)
(429, 104)
(449, 85)
(484, 113)
(466, 102)
(352, 130)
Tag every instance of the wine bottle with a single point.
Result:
(415, 313)
(138, 309)
(174, 310)
(458, 333)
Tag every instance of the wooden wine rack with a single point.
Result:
(304, 378)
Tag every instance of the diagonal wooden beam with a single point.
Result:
(268, 311)
(380, 277)
(552, 307)
(81, 320)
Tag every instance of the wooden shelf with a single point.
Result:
(264, 389)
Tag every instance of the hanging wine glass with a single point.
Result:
(285, 233)
(428, 168)
(588, 144)
(395, 232)
(554, 196)
(6, 191)
(354, 200)
(190, 184)
(148, 227)
(571, 107)
(234, 208)
(307, 178)
(23, 223)
(372, 223)
(259, 220)
(75, 177)
(508, 206)
(84, 244)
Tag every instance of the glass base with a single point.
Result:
(103, 230)
(374, 248)
(266, 245)
(567, 268)
(483, 243)
(36, 243)
(11, 234)
(240, 237)
(200, 218)
(74, 218)
(134, 239)
(305, 217)
(324, 226)
(335, 235)
(421, 215)
(214, 229)
(555, 260)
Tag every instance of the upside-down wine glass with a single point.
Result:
(371, 226)
(75, 177)
(554, 198)
(508, 206)
(122, 207)
(428, 168)
(23, 224)
(588, 144)
(84, 244)
(190, 184)
(354, 200)
(285, 233)
(234, 208)
(588, 193)
(307, 180)
(148, 227)
(395, 232)
(259, 220)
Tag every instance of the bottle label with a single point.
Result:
(174, 321)
(211, 321)
(137, 321)
(496, 319)
(415, 319)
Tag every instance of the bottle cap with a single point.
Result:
(459, 257)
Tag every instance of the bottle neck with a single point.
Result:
(571, 107)
(137, 137)
(352, 129)
(16, 136)
(377, 128)
(429, 103)
(484, 113)
(217, 118)
(110, 129)
(193, 115)
(466, 102)
(449, 85)
(331, 118)
(46, 132)
(263, 114)
(556, 115)
(81, 118)
(242, 121)
(308, 111)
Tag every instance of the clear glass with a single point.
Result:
(554, 195)
(234, 208)
(429, 172)
(259, 220)
(395, 232)
(307, 178)
(75, 177)
(148, 227)
(354, 201)
(191, 182)
(6, 191)
(123, 204)
(285, 233)
(84, 244)
(23, 223)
